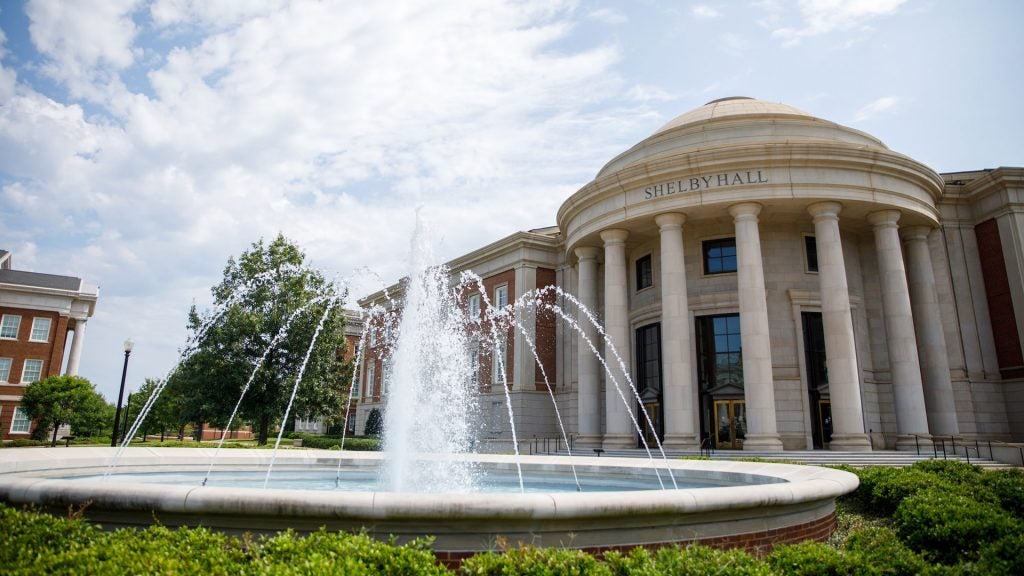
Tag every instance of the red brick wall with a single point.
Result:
(545, 331)
(490, 283)
(51, 353)
(1000, 303)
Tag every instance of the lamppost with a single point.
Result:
(127, 416)
(124, 374)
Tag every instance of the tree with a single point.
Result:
(60, 400)
(271, 304)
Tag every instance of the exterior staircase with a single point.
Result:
(809, 457)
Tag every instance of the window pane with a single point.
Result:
(719, 256)
(811, 249)
(5, 369)
(40, 330)
(31, 372)
(21, 423)
(9, 326)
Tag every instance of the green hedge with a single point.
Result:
(322, 442)
(952, 519)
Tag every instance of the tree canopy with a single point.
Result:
(60, 400)
(266, 312)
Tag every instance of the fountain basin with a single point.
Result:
(761, 505)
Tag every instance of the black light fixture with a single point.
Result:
(128, 344)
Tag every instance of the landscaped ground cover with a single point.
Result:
(935, 517)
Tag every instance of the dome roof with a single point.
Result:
(737, 121)
(731, 106)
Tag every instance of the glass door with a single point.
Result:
(731, 424)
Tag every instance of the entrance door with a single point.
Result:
(730, 424)
(817, 379)
(651, 436)
(823, 430)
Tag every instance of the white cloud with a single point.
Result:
(877, 107)
(649, 93)
(608, 16)
(86, 43)
(824, 16)
(325, 121)
(703, 11)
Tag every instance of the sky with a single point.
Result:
(144, 143)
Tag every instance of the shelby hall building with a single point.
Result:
(772, 281)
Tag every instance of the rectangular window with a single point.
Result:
(648, 358)
(719, 256)
(644, 273)
(371, 368)
(5, 369)
(474, 306)
(720, 352)
(9, 326)
(501, 296)
(474, 365)
(500, 357)
(40, 330)
(20, 423)
(811, 251)
(32, 371)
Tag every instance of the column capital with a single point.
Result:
(825, 210)
(912, 233)
(670, 220)
(884, 218)
(614, 236)
(745, 210)
(587, 252)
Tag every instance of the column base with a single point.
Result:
(850, 443)
(680, 442)
(914, 443)
(618, 441)
(767, 442)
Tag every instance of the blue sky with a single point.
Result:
(144, 143)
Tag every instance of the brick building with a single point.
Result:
(39, 313)
(772, 280)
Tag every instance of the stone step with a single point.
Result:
(814, 458)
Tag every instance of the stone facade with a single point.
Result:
(770, 280)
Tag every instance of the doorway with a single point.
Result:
(817, 379)
(730, 424)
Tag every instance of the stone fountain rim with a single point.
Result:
(23, 480)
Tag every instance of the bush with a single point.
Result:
(535, 562)
(878, 551)
(21, 442)
(952, 471)
(31, 540)
(1008, 487)
(950, 526)
(340, 553)
(1004, 556)
(689, 561)
(809, 559)
(374, 423)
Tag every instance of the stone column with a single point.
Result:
(677, 395)
(76, 347)
(840, 345)
(619, 428)
(758, 383)
(931, 339)
(904, 366)
(588, 403)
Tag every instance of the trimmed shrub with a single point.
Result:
(31, 540)
(809, 559)
(1008, 487)
(952, 471)
(374, 423)
(689, 561)
(155, 550)
(1004, 556)
(325, 552)
(877, 550)
(534, 562)
(950, 526)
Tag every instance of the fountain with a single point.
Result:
(432, 484)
